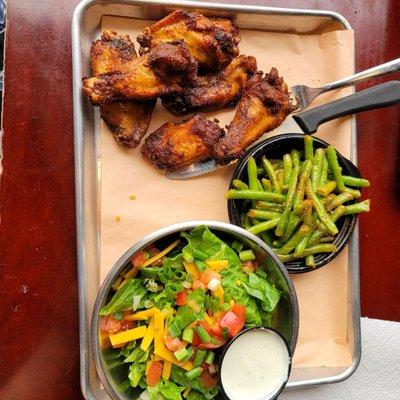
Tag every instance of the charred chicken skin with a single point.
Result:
(127, 120)
(263, 107)
(178, 144)
(212, 42)
(161, 71)
(214, 92)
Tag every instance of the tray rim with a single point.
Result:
(84, 335)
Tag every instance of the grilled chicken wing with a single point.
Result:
(176, 145)
(263, 107)
(163, 70)
(214, 92)
(127, 120)
(212, 42)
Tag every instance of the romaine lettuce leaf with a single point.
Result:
(262, 290)
(122, 299)
(201, 238)
(171, 391)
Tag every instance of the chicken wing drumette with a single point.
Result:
(177, 144)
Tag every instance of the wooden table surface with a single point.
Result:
(39, 356)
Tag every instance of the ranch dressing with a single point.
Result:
(255, 366)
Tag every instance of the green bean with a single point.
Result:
(337, 213)
(294, 240)
(252, 173)
(269, 169)
(246, 222)
(247, 255)
(287, 169)
(355, 182)
(299, 250)
(281, 227)
(263, 226)
(263, 214)
(277, 164)
(304, 175)
(324, 171)
(240, 185)
(335, 167)
(308, 147)
(255, 195)
(310, 261)
(320, 209)
(266, 237)
(294, 221)
(307, 214)
(294, 154)
(319, 248)
(266, 183)
(264, 205)
(279, 176)
(339, 199)
(317, 168)
(326, 189)
(362, 206)
(355, 193)
(327, 239)
(328, 199)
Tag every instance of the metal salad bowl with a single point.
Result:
(285, 320)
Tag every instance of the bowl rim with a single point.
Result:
(152, 237)
(350, 220)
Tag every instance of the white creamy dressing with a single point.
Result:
(255, 366)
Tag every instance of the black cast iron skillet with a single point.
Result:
(379, 96)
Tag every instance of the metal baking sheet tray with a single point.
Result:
(85, 29)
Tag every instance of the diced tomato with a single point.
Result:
(207, 380)
(172, 344)
(197, 284)
(111, 325)
(249, 266)
(209, 274)
(196, 340)
(210, 346)
(240, 311)
(154, 373)
(215, 330)
(139, 259)
(233, 322)
(181, 298)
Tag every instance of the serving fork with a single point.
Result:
(303, 96)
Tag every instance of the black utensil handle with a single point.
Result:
(383, 95)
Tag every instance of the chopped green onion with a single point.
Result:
(200, 255)
(237, 246)
(174, 330)
(210, 357)
(247, 255)
(201, 265)
(181, 354)
(118, 315)
(190, 353)
(198, 359)
(203, 334)
(225, 332)
(187, 256)
(188, 335)
(194, 373)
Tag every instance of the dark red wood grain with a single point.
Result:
(39, 356)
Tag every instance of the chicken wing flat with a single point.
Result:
(212, 42)
(177, 144)
(214, 92)
(161, 71)
(263, 107)
(128, 120)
